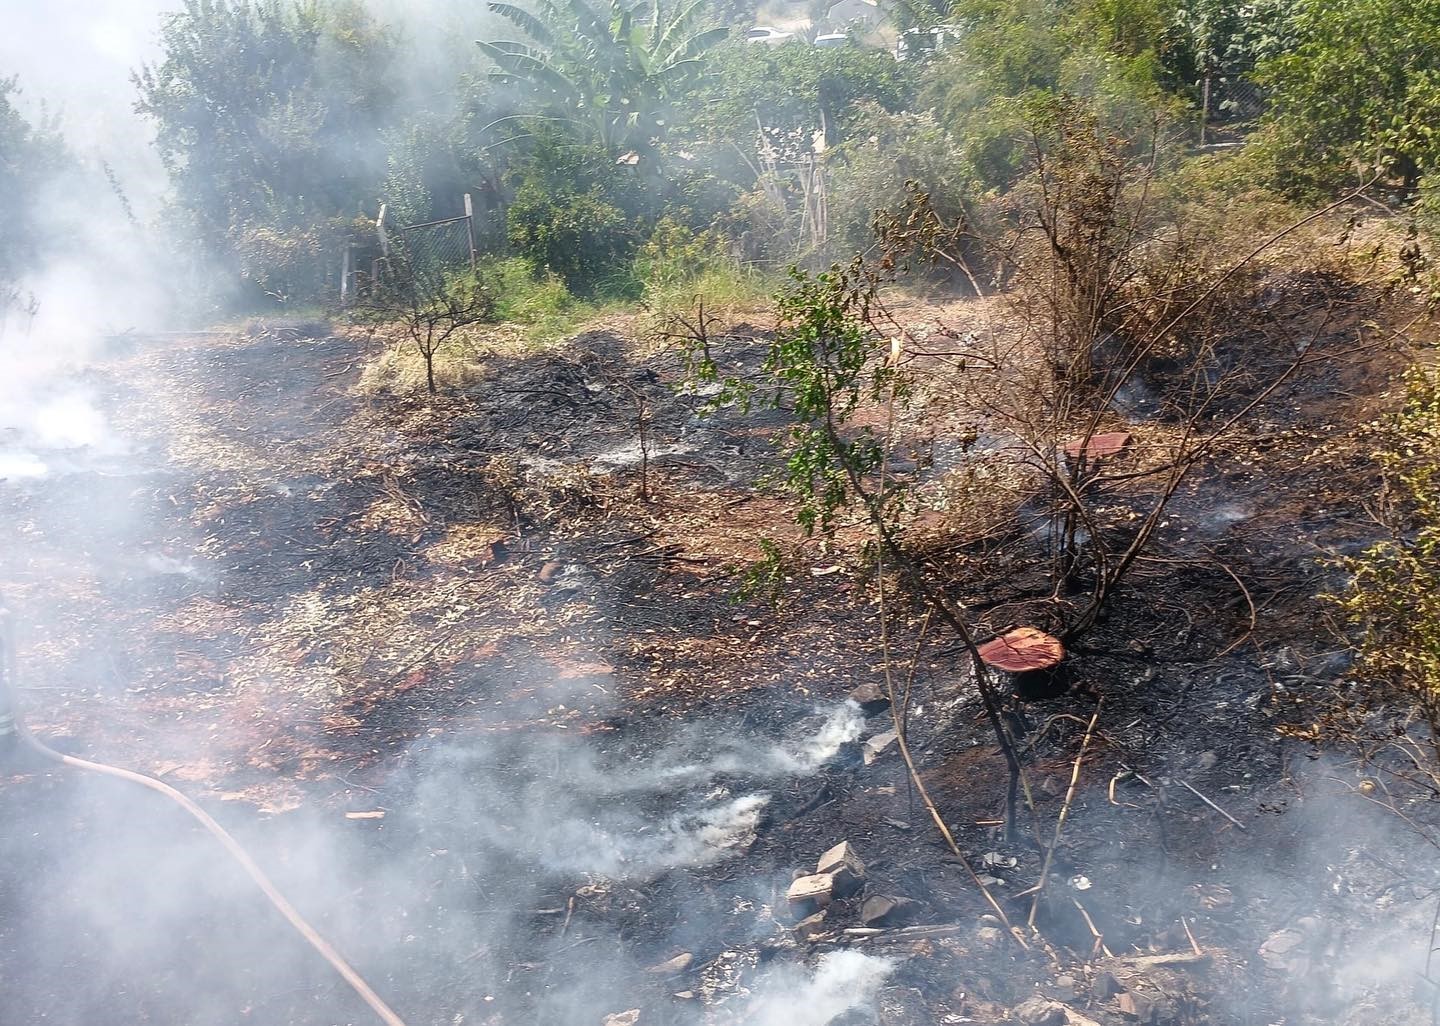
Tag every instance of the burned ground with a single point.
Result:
(501, 727)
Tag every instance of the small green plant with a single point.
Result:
(678, 267)
(1393, 599)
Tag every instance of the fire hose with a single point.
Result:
(11, 722)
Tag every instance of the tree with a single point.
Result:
(268, 113)
(31, 156)
(1360, 93)
(431, 308)
(611, 75)
(575, 212)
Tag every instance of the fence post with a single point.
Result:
(470, 229)
(380, 231)
(345, 276)
(1205, 106)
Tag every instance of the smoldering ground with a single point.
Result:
(454, 904)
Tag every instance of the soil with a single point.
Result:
(478, 691)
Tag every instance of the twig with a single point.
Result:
(1099, 937)
(1193, 942)
(1212, 805)
(1060, 820)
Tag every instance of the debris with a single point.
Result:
(376, 814)
(989, 936)
(898, 824)
(871, 698)
(811, 892)
(810, 927)
(1038, 1011)
(672, 966)
(1080, 883)
(550, 571)
(887, 910)
(845, 868)
(825, 571)
(876, 746)
(1098, 447)
(629, 1018)
(994, 860)
(1152, 961)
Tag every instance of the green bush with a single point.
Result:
(1393, 599)
(1360, 93)
(576, 213)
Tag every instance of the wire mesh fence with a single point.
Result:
(436, 250)
(1232, 100)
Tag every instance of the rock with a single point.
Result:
(845, 867)
(1104, 987)
(871, 699)
(1284, 951)
(811, 892)
(672, 966)
(877, 745)
(549, 572)
(810, 927)
(629, 1018)
(1136, 1006)
(1068, 986)
(1037, 1011)
(989, 936)
(888, 910)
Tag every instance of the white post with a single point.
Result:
(470, 229)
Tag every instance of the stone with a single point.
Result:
(877, 746)
(629, 1018)
(989, 936)
(1104, 987)
(871, 699)
(1285, 951)
(845, 868)
(1037, 1011)
(1135, 1006)
(811, 892)
(672, 966)
(810, 927)
(888, 910)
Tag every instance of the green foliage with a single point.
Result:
(678, 266)
(827, 360)
(268, 114)
(1226, 38)
(611, 73)
(1394, 594)
(30, 158)
(900, 148)
(795, 87)
(575, 213)
(1107, 53)
(1360, 93)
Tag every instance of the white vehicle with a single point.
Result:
(832, 40)
(767, 35)
(920, 43)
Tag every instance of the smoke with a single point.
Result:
(842, 981)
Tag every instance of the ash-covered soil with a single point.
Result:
(469, 677)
